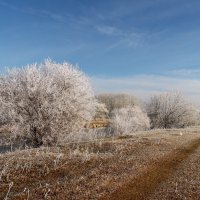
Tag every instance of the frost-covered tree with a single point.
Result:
(129, 120)
(117, 101)
(171, 110)
(46, 100)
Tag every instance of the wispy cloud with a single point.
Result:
(118, 10)
(122, 38)
(35, 12)
(108, 30)
(185, 73)
(146, 85)
(131, 40)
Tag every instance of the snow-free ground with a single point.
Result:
(158, 164)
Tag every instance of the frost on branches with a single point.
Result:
(46, 100)
(129, 120)
(117, 101)
(171, 110)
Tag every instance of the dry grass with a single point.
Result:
(90, 170)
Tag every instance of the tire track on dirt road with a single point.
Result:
(139, 187)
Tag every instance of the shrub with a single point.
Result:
(129, 120)
(46, 100)
(171, 110)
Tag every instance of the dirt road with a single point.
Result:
(174, 176)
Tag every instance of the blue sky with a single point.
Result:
(120, 41)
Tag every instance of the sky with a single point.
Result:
(140, 47)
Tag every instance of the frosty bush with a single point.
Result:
(171, 110)
(46, 100)
(129, 120)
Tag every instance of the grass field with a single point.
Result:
(159, 164)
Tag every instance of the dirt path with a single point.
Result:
(141, 186)
(185, 182)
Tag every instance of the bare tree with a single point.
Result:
(46, 100)
(169, 110)
(117, 101)
(129, 120)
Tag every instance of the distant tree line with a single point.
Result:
(165, 110)
(117, 101)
